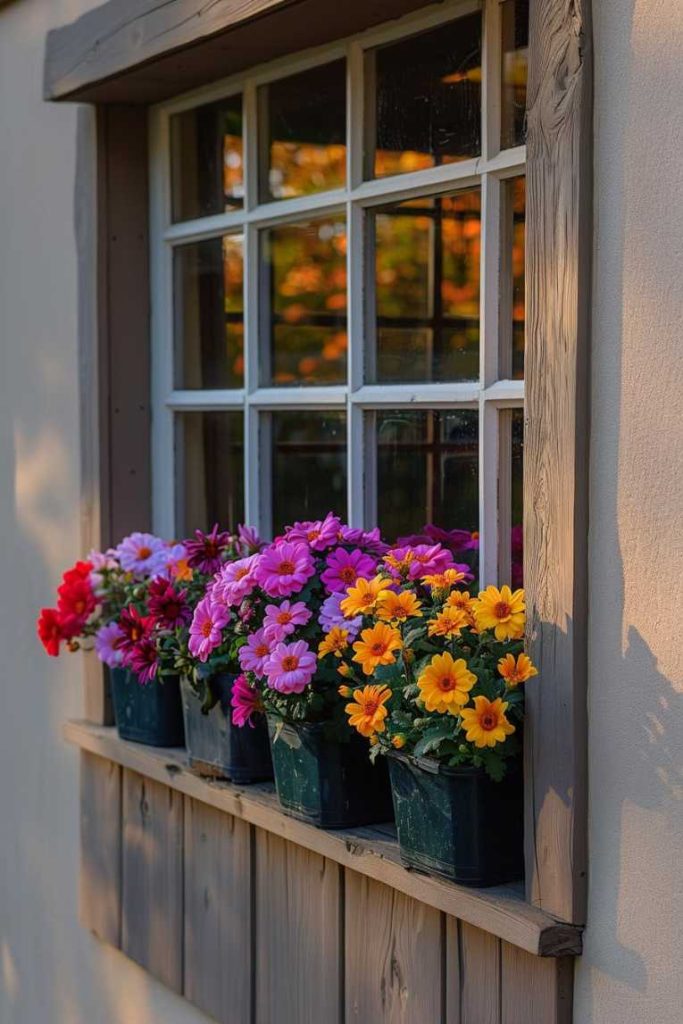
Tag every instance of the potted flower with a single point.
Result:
(286, 600)
(434, 682)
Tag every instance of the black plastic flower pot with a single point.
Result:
(457, 822)
(215, 746)
(325, 782)
(147, 713)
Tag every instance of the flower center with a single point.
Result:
(135, 634)
(241, 573)
(488, 721)
(371, 707)
(284, 617)
(144, 552)
(286, 568)
(347, 574)
(211, 548)
(262, 650)
(378, 648)
(80, 606)
(313, 535)
(446, 684)
(502, 610)
(290, 662)
(207, 627)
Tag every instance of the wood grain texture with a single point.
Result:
(480, 977)
(100, 875)
(535, 989)
(558, 269)
(453, 971)
(298, 935)
(372, 852)
(217, 913)
(394, 956)
(142, 51)
(152, 878)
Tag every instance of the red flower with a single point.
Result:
(135, 628)
(142, 659)
(168, 605)
(80, 571)
(52, 630)
(76, 598)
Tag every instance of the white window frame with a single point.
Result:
(490, 395)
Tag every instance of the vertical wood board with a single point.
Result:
(535, 988)
(479, 958)
(100, 875)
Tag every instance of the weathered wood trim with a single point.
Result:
(501, 911)
(100, 875)
(142, 52)
(558, 273)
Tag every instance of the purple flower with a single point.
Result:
(319, 533)
(168, 605)
(235, 580)
(246, 703)
(253, 654)
(368, 540)
(205, 552)
(249, 539)
(206, 629)
(106, 640)
(141, 554)
(284, 568)
(344, 567)
(331, 615)
(173, 555)
(290, 668)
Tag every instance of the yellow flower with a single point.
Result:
(334, 642)
(367, 711)
(361, 598)
(376, 647)
(345, 691)
(345, 670)
(401, 565)
(398, 607)
(449, 622)
(182, 571)
(485, 724)
(516, 671)
(502, 611)
(444, 580)
(445, 684)
(398, 741)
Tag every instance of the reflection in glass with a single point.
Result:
(208, 315)
(512, 315)
(308, 460)
(303, 120)
(428, 99)
(304, 272)
(427, 255)
(515, 28)
(209, 470)
(206, 159)
(427, 470)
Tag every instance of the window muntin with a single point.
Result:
(349, 356)
(207, 159)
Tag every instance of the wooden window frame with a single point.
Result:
(123, 58)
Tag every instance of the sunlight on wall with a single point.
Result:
(44, 489)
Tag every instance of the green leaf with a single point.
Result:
(433, 736)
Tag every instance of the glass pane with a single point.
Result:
(428, 99)
(427, 255)
(308, 453)
(209, 470)
(206, 160)
(516, 498)
(515, 28)
(427, 470)
(512, 317)
(208, 315)
(303, 121)
(304, 274)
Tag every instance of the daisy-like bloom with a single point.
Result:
(399, 560)
(376, 647)
(236, 580)
(174, 560)
(101, 561)
(319, 534)
(205, 551)
(429, 560)
(335, 642)
(449, 622)
(368, 540)
(367, 711)
(249, 539)
(331, 615)
(281, 620)
(344, 567)
(516, 670)
(252, 656)
(143, 660)
(445, 684)
(141, 554)
(134, 626)
(361, 598)
(290, 668)
(106, 644)
(447, 579)
(246, 703)
(393, 607)
(284, 568)
(167, 605)
(502, 611)
(206, 630)
(76, 597)
(485, 724)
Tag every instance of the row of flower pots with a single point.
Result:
(361, 676)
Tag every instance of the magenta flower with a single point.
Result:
(284, 568)
(246, 703)
(141, 554)
(429, 560)
(235, 580)
(143, 660)
(281, 620)
(290, 668)
(369, 540)
(320, 534)
(252, 655)
(206, 629)
(205, 552)
(249, 539)
(167, 605)
(344, 567)
(331, 615)
(106, 640)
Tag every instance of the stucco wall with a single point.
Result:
(630, 973)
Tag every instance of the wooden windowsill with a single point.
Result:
(373, 852)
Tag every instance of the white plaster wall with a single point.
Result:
(631, 970)
(51, 971)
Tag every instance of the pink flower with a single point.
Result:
(141, 554)
(320, 534)
(281, 620)
(429, 560)
(284, 568)
(106, 640)
(143, 660)
(252, 655)
(249, 539)
(344, 567)
(290, 668)
(369, 540)
(235, 580)
(206, 629)
(246, 703)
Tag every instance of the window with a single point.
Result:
(338, 286)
